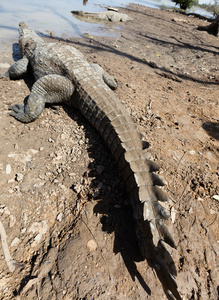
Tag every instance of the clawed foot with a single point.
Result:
(21, 113)
(17, 111)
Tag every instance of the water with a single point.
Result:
(55, 16)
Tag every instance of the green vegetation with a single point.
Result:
(213, 8)
(185, 4)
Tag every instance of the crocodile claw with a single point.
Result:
(18, 112)
(17, 108)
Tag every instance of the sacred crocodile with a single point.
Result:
(112, 16)
(63, 75)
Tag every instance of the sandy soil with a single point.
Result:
(66, 225)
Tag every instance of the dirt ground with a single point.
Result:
(66, 225)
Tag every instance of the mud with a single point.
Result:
(66, 224)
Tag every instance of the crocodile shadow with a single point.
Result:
(212, 129)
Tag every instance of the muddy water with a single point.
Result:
(54, 16)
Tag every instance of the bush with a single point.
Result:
(213, 7)
(184, 4)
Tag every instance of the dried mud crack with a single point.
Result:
(63, 206)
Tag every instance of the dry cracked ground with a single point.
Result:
(66, 225)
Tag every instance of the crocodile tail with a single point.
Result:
(145, 196)
(107, 114)
(142, 186)
(116, 126)
(142, 183)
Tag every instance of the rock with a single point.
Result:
(33, 151)
(23, 230)
(40, 227)
(63, 137)
(91, 245)
(216, 197)
(177, 20)
(19, 177)
(112, 9)
(192, 152)
(8, 169)
(15, 242)
(12, 221)
(59, 217)
(4, 209)
(38, 238)
(77, 188)
(39, 184)
(25, 217)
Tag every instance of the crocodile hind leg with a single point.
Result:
(48, 89)
(107, 78)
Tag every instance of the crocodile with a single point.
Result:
(62, 75)
(112, 16)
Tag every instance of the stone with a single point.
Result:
(15, 242)
(12, 221)
(59, 217)
(91, 245)
(40, 227)
(19, 177)
(8, 169)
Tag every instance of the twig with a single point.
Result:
(7, 255)
(212, 221)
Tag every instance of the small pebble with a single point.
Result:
(19, 177)
(15, 242)
(12, 221)
(25, 217)
(33, 151)
(39, 184)
(192, 152)
(38, 238)
(23, 230)
(59, 217)
(91, 245)
(8, 169)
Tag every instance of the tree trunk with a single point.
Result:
(211, 28)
